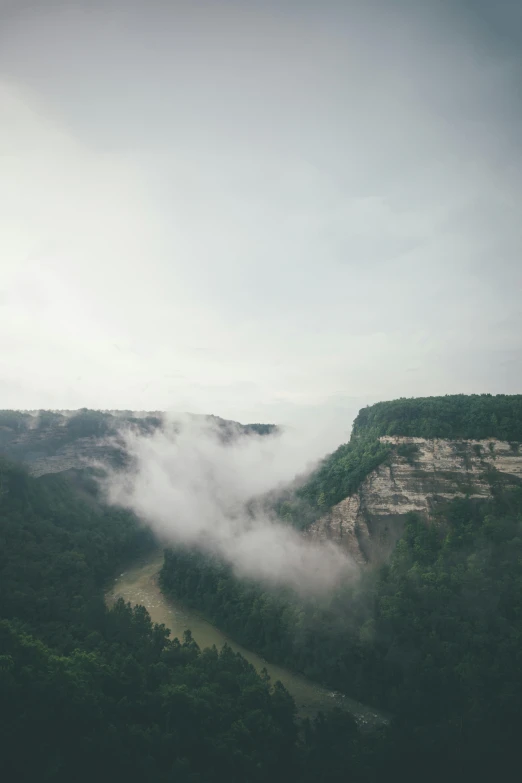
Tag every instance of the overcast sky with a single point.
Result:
(262, 210)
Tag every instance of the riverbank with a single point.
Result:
(138, 585)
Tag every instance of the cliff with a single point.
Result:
(417, 475)
(57, 441)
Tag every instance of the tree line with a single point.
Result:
(455, 416)
(433, 636)
(89, 692)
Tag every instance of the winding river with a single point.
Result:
(139, 585)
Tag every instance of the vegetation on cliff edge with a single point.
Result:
(458, 416)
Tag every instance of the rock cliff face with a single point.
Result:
(54, 441)
(50, 451)
(418, 474)
(85, 452)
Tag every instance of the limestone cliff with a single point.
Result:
(56, 441)
(83, 453)
(418, 474)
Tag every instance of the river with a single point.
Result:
(139, 585)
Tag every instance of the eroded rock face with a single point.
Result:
(84, 453)
(55, 441)
(419, 474)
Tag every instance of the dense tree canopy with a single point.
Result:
(433, 636)
(91, 693)
(341, 473)
(458, 416)
(467, 416)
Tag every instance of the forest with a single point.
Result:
(89, 692)
(457, 417)
(433, 637)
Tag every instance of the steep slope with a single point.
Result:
(56, 441)
(416, 475)
(91, 693)
(408, 456)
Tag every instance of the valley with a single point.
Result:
(138, 584)
(425, 499)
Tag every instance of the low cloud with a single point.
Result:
(193, 487)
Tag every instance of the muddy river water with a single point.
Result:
(138, 584)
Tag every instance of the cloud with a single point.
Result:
(274, 201)
(193, 489)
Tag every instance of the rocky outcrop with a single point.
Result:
(57, 441)
(84, 453)
(418, 474)
(52, 450)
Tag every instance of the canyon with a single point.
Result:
(418, 475)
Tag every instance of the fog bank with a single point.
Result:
(192, 488)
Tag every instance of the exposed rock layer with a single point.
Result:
(54, 441)
(368, 523)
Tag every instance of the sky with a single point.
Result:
(267, 211)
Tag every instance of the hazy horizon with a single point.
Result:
(269, 212)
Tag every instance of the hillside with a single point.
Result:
(89, 692)
(431, 631)
(56, 441)
(454, 416)
(409, 456)
(416, 475)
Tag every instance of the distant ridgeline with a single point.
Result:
(53, 441)
(89, 692)
(454, 417)
(24, 433)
